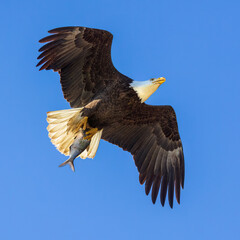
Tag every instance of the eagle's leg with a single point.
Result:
(83, 123)
(89, 110)
(90, 133)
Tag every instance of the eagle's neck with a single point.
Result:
(144, 89)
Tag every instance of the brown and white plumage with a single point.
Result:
(113, 104)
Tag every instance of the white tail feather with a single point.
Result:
(62, 130)
(90, 152)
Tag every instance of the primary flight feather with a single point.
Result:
(108, 105)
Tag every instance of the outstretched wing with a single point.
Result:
(82, 56)
(151, 135)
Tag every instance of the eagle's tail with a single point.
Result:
(63, 128)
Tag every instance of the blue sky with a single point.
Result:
(195, 45)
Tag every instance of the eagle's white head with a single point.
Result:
(145, 89)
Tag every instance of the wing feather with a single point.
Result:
(155, 187)
(82, 56)
(151, 135)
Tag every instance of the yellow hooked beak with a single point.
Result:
(159, 81)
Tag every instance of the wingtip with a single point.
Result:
(40, 69)
(171, 204)
(142, 178)
(38, 65)
(154, 197)
(60, 29)
(182, 184)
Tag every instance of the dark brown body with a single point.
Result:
(114, 104)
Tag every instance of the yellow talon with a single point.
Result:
(83, 123)
(89, 134)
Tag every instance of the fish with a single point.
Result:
(78, 146)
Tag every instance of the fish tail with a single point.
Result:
(70, 163)
(62, 128)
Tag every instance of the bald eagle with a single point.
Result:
(110, 106)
